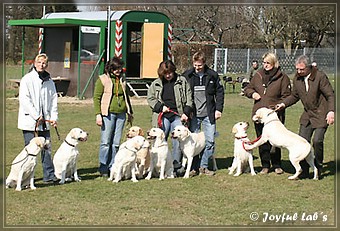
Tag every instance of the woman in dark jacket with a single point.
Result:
(269, 86)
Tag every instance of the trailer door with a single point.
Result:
(152, 49)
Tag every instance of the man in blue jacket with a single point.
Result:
(208, 97)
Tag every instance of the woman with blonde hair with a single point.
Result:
(268, 87)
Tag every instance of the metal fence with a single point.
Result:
(239, 60)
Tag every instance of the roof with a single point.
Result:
(89, 15)
(89, 18)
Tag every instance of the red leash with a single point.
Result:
(250, 142)
(160, 115)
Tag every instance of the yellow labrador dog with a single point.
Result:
(242, 157)
(279, 136)
(125, 160)
(65, 159)
(143, 155)
(23, 166)
(191, 144)
(161, 160)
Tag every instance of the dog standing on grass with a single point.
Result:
(242, 157)
(279, 136)
(23, 166)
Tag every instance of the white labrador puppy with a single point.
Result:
(143, 155)
(23, 166)
(65, 159)
(125, 160)
(191, 144)
(279, 136)
(161, 159)
(242, 157)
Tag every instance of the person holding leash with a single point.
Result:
(169, 97)
(38, 109)
(313, 88)
(268, 86)
(208, 96)
(111, 105)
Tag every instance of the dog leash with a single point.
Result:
(28, 154)
(160, 115)
(250, 142)
(49, 121)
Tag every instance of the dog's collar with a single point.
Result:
(240, 138)
(271, 121)
(135, 150)
(72, 145)
(30, 154)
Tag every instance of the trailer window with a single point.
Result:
(135, 42)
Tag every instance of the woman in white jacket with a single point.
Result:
(38, 109)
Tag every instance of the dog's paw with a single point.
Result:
(61, 182)
(134, 180)
(186, 176)
(33, 187)
(237, 174)
(17, 189)
(292, 177)
(253, 173)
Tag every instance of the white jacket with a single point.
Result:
(35, 97)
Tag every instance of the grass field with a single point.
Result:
(220, 201)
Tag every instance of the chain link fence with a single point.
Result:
(239, 60)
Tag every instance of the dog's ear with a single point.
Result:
(40, 142)
(234, 130)
(162, 135)
(140, 132)
(187, 132)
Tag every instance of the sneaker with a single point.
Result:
(264, 171)
(104, 175)
(193, 173)
(49, 181)
(205, 171)
(278, 170)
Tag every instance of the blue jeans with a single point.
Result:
(168, 126)
(46, 158)
(110, 136)
(209, 129)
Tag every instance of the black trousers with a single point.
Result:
(317, 144)
(269, 155)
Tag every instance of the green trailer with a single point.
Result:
(78, 45)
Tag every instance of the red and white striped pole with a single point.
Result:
(41, 34)
(169, 41)
(119, 39)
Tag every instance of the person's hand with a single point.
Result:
(280, 106)
(53, 123)
(184, 117)
(40, 120)
(99, 120)
(256, 96)
(330, 118)
(130, 118)
(165, 109)
(218, 115)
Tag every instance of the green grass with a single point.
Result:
(221, 200)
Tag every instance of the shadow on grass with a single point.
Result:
(225, 163)
(328, 168)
